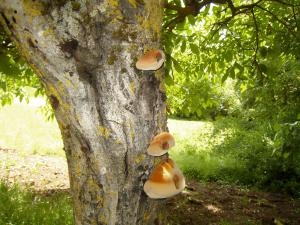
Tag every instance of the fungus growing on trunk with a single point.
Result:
(166, 180)
(160, 144)
(152, 60)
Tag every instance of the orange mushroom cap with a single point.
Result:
(166, 180)
(160, 144)
(152, 60)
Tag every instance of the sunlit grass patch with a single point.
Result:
(20, 207)
(213, 151)
(23, 127)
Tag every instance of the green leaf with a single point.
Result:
(177, 66)
(263, 52)
(224, 78)
(169, 80)
(191, 19)
(206, 10)
(232, 73)
(228, 56)
(177, 2)
(183, 46)
(194, 48)
(263, 68)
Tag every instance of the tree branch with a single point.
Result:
(193, 8)
(295, 18)
(255, 62)
(279, 20)
(284, 3)
(256, 35)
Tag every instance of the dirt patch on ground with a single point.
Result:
(34, 172)
(213, 204)
(199, 204)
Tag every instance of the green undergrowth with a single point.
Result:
(20, 207)
(233, 151)
(229, 150)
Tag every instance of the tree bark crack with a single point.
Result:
(126, 152)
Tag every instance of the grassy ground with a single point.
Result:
(223, 151)
(227, 150)
(24, 127)
(19, 207)
(197, 149)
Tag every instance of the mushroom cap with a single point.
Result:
(152, 60)
(166, 180)
(160, 144)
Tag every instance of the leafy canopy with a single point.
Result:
(210, 41)
(15, 74)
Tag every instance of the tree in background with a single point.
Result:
(84, 54)
(211, 41)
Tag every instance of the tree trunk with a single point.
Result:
(84, 53)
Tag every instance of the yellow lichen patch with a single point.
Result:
(48, 32)
(161, 217)
(52, 91)
(103, 132)
(61, 87)
(92, 184)
(132, 3)
(118, 140)
(157, 160)
(77, 118)
(113, 194)
(99, 199)
(153, 19)
(69, 83)
(33, 8)
(146, 216)
(102, 219)
(66, 106)
(131, 134)
(132, 87)
(114, 10)
(139, 159)
(26, 49)
(113, 3)
(162, 87)
(78, 170)
(165, 110)
(2, 21)
(160, 76)
(75, 85)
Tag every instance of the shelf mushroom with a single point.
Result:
(166, 180)
(152, 60)
(160, 144)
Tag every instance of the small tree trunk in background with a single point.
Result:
(84, 53)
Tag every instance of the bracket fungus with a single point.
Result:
(152, 60)
(160, 144)
(166, 180)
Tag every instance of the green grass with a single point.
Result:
(23, 127)
(232, 151)
(229, 150)
(20, 207)
(196, 150)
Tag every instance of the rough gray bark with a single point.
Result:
(84, 52)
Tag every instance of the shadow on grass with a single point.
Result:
(19, 206)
